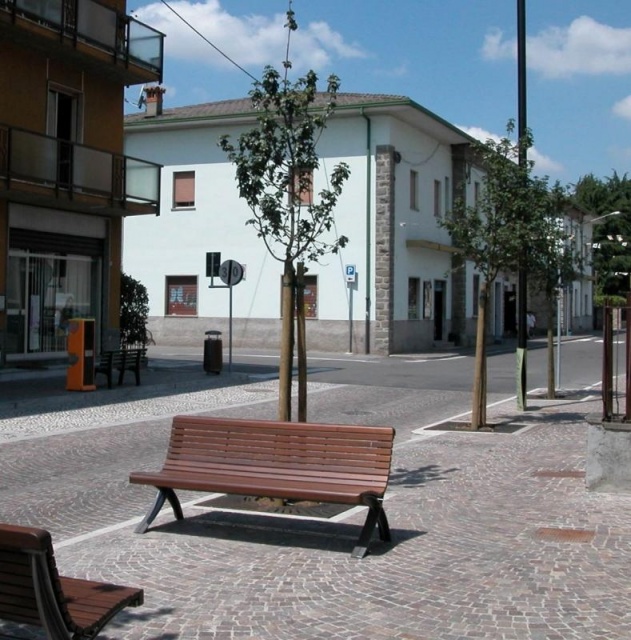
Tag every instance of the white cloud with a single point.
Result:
(584, 47)
(544, 165)
(622, 108)
(251, 41)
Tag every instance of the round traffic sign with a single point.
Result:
(231, 272)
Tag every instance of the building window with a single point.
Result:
(181, 294)
(438, 190)
(414, 190)
(476, 294)
(476, 192)
(303, 186)
(447, 195)
(414, 286)
(183, 189)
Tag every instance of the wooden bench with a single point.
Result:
(120, 360)
(345, 464)
(32, 592)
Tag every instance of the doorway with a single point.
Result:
(439, 308)
(510, 313)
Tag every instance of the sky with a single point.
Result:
(456, 58)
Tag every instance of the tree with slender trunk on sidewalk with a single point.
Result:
(275, 164)
(492, 233)
(551, 263)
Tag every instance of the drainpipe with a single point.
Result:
(368, 230)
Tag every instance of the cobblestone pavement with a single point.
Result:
(494, 534)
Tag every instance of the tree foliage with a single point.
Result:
(491, 231)
(275, 163)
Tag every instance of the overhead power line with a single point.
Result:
(207, 41)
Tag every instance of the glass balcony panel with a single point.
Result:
(48, 10)
(145, 44)
(33, 156)
(92, 170)
(97, 23)
(142, 181)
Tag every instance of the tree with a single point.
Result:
(134, 312)
(275, 164)
(612, 237)
(493, 232)
(551, 264)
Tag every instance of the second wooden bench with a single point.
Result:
(120, 360)
(345, 464)
(32, 592)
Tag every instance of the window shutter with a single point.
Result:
(184, 189)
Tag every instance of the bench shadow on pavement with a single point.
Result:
(337, 537)
(421, 475)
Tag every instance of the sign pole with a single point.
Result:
(231, 273)
(350, 318)
(350, 271)
(230, 335)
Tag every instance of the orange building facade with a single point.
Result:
(65, 184)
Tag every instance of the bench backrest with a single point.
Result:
(346, 453)
(28, 572)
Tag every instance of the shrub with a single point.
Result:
(134, 312)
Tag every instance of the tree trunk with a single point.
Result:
(550, 333)
(286, 344)
(301, 343)
(478, 411)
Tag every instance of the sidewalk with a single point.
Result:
(494, 534)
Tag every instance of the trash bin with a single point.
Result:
(213, 352)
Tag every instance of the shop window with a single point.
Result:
(181, 295)
(310, 296)
(183, 189)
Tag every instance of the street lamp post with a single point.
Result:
(522, 283)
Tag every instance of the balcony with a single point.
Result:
(88, 33)
(50, 172)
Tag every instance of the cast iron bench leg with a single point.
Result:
(137, 367)
(163, 494)
(376, 515)
(382, 523)
(122, 364)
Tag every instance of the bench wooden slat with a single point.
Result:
(347, 464)
(72, 606)
(305, 474)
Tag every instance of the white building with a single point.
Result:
(407, 166)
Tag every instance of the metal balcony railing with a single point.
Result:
(92, 23)
(31, 158)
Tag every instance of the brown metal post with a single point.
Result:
(607, 383)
